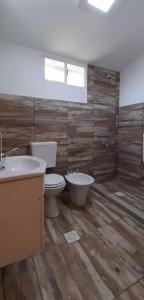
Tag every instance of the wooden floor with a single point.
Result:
(106, 263)
(132, 195)
(131, 198)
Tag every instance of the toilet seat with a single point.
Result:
(54, 181)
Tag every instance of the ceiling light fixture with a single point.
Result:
(103, 5)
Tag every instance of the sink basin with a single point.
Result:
(22, 165)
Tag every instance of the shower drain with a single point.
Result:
(71, 236)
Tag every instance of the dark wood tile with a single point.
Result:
(17, 128)
(78, 152)
(49, 108)
(77, 112)
(49, 128)
(16, 106)
(23, 145)
(134, 292)
(107, 262)
(82, 130)
(130, 142)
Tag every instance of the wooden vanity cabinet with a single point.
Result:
(21, 219)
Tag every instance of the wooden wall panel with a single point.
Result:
(16, 106)
(130, 142)
(78, 111)
(85, 166)
(17, 128)
(105, 100)
(86, 133)
(80, 137)
(49, 128)
(51, 123)
(45, 108)
(17, 122)
(24, 146)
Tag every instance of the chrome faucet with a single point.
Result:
(3, 156)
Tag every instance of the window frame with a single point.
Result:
(66, 62)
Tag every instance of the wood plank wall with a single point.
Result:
(87, 134)
(131, 128)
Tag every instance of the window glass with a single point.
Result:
(54, 70)
(75, 75)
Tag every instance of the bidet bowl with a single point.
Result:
(79, 179)
(79, 184)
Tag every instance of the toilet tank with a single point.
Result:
(46, 151)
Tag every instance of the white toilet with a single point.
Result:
(79, 184)
(54, 183)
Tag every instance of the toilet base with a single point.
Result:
(51, 207)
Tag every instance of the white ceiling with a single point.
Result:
(71, 29)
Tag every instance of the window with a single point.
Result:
(65, 81)
(54, 70)
(66, 73)
(75, 75)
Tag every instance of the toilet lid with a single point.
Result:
(53, 180)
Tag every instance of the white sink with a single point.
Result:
(22, 166)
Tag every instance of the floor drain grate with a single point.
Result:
(119, 194)
(71, 236)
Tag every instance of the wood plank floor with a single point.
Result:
(126, 197)
(132, 195)
(106, 263)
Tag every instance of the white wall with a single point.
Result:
(22, 73)
(132, 82)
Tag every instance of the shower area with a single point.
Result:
(127, 189)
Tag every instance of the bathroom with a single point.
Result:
(86, 242)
